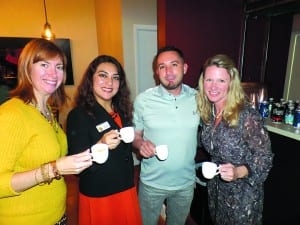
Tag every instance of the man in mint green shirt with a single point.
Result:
(167, 115)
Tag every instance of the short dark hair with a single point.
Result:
(167, 48)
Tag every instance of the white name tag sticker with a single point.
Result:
(102, 126)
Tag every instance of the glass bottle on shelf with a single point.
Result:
(289, 115)
(271, 103)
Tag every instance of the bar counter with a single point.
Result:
(283, 129)
(282, 187)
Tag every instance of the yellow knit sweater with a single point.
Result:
(28, 140)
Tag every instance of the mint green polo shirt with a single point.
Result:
(171, 120)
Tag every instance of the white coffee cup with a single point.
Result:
(210, 169)
(162, 152)
(127, 134)
(99, 153)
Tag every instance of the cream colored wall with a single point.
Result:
(135, 12)
(69, 19)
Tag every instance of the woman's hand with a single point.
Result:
(229, 172)
(111, 138)
(74, 164)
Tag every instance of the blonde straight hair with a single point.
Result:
(236, 96)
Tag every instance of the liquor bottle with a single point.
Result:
(296, 122)
(264, 109)
(277, 113)
(289, 115)
(271, 104)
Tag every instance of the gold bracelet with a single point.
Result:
(45, 173)
(55, 171)
(36, 180)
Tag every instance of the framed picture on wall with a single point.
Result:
(10, 49)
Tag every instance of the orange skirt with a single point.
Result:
(117, 209)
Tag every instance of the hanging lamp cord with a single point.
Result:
(45, 11)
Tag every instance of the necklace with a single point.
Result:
(218, 115)
(217, 121)
(48, 115)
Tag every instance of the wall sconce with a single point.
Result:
(47, 33)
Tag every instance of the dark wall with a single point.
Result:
(281, 28)
(253, 58)
(202, 29)
(267, 40)
(256, 36)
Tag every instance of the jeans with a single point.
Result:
(178, 204)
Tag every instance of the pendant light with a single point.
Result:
(47, 33)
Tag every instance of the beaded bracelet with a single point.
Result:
(36, 179)
(55, 171)
(45, 173)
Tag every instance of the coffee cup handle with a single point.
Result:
(218, 171)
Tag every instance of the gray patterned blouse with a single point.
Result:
(239, 202)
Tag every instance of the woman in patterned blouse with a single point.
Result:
(234, 135)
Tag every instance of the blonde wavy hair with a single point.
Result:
(235, 98)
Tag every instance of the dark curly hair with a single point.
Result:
(121, 101)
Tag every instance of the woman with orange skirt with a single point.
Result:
(108, 194)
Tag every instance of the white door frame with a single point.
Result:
(144, 51)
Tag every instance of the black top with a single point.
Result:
(113, 176)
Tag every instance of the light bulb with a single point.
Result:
(47, 33)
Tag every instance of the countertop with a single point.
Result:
(283, 129)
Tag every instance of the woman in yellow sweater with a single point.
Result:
(32, 144)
